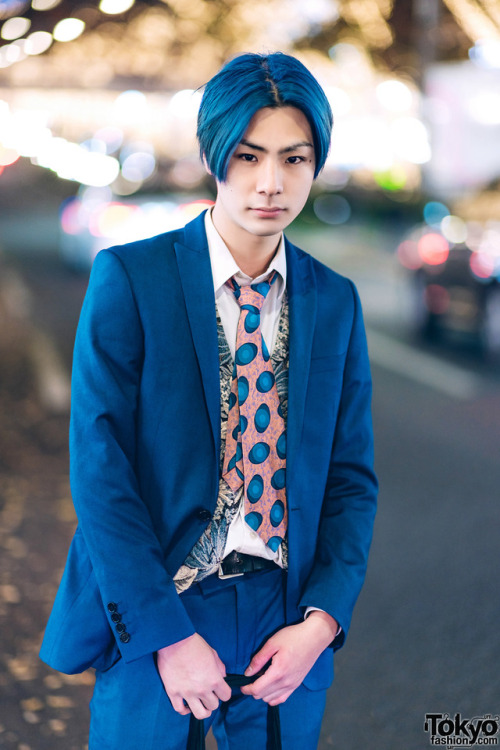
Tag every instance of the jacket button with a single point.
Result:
(120, 627)
(116, 617)
(204, 515)
(125, 637)
(112, 607)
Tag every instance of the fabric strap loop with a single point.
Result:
(196, 737)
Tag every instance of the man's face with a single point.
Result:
(269, 176)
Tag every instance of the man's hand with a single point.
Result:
(193, 674)
(292, 651)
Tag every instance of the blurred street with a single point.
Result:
(424, 637)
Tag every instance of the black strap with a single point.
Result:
(196, 738)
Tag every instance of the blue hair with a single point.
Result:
(251, 82)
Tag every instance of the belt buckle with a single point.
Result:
(223, 576)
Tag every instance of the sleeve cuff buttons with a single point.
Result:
(120, 626)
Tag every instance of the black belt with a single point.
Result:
(237, 563)
(196, 739)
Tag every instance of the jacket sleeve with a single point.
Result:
(349, 505)
(126, 556)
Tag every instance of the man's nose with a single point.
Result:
(270, 178)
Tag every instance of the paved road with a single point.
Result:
(425, 635)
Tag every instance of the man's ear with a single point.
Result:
(205, 164)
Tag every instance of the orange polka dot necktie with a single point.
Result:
(255, 454)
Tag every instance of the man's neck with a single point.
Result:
(252, 253)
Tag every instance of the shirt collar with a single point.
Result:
(224, 265)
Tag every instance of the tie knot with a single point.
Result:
(252, 294)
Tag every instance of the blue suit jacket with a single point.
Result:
(144, 444)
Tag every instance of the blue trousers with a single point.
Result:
(131, 711)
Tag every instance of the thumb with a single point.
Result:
(260, 659)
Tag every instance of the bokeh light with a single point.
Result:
(433, 249)
(454, 229)
(68, 29)
(38, 42)
(434, 213)
(332, 209)
(409, 255)
(8, 156)
(482, 265)
(394, 95)
(437, 299)
(14, 28)
(113, 7)
(44, 4)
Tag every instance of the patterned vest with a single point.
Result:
(207, 553)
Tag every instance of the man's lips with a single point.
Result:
(268, 210)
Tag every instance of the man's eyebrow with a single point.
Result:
(287, 150)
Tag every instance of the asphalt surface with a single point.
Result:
(425, 636)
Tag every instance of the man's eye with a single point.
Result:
(246, 157)
(295, 159)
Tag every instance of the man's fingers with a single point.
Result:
(180, 706)
(199, 709)
(274, 698)
(264, 685)
(224, 691)
(260, 659)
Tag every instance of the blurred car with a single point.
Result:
(455, 269)
(95, 219)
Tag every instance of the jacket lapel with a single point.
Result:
(301, 288)
(195, 272)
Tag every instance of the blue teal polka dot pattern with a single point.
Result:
(277, 513)
(237, 456)
(274, 542)
(281, 445)
(265, 381)
(253, 519)
(242, 390)
(265, 352)
(245, 354)
(252, 319)
(278, 479)
(261, 288)
(242, 424)
(259, 453)
(255, 488)
(262, 418)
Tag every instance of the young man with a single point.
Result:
(221, 447)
